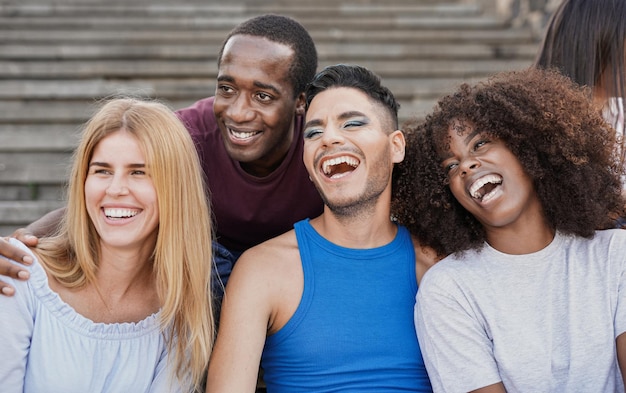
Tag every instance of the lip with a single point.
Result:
(490, 197)
(242, 136)
(122, 214)
(343, 158)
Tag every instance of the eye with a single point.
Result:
(138, 172)
(264, 97)
(311, 133)
(354, 124)
(480, 143)
(449, 167)
(100, 171)
(225, 89)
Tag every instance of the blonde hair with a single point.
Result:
(182, 257)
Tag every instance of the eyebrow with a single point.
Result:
(260, 85)
(107, 165)
(445, 155)
(342, 116)
(471, 136)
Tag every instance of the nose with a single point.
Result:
(239, 109)
(469, 164)
(117, 187)
(331, 136)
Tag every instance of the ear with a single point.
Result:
(300, 104)
(398, 144)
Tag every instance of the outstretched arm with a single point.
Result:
(42, 227)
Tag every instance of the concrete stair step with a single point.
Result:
(226, 23)
(175, 88)
(18, 214)
(31, 192)
(89, 89)
(72, 69)
(334, 35)
(292, 8)
(47, 167)
(326, 51)
(235, 3)
(33, 138)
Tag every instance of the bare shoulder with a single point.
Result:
(271, 257)
(425, 257)
(271, 276)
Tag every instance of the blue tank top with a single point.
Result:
(353, 330)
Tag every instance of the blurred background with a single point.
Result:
(59, 57)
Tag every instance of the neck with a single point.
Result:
(121, 271)
(523, 239)
(370, 227)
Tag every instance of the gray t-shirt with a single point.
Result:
(540, 322)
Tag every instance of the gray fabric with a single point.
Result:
(541, 322)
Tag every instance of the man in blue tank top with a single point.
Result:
(328, 306)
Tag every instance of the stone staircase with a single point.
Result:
(59, 57)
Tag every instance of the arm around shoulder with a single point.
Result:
(44, 226)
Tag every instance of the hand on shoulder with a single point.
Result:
(15, 253)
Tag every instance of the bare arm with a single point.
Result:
(620, 342)
(46, 225)
(262, 294)
(42, 227)
(244, 321)
(495, 388)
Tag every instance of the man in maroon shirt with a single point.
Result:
(249, 138)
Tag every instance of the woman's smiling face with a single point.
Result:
(488, 180)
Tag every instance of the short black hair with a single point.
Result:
(285, 31)
(354, 76)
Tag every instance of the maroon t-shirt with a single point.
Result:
(248, 210)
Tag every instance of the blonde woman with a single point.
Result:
(119, 300)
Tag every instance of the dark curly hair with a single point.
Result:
(548, 123)
(285, 31)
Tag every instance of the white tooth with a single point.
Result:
(119, 213)
(481, 182)
(339, 160)
(241, 134)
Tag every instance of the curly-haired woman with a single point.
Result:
(513, 177)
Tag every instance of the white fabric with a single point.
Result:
(613, 113)
(541, 322)
(47, 347)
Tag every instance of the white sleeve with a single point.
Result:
(457, 351)
(617, 252)
(16, 327)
